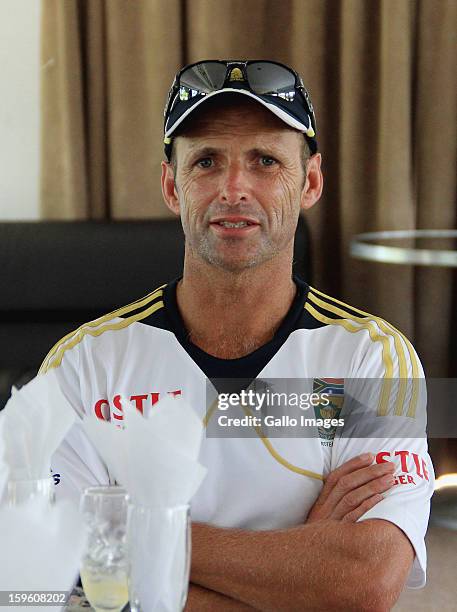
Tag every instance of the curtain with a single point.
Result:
(382, 78)
(106, 67)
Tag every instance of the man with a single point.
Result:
(283, 524)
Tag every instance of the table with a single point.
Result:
(363, 246)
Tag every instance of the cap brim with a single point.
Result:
(276, 110)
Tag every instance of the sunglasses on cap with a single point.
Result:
(276, 86)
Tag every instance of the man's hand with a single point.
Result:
(352, 489)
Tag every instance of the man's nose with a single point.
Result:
(234, 185)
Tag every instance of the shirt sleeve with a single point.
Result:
(387, 417)
(407, 503)
(76, 464)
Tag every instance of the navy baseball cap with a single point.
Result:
(276, 86)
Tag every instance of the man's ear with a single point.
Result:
(314, 182)
(169, 192)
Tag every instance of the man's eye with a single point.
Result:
(266, 160)
(205, 162)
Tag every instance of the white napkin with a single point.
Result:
(32, 425)
(4, 471)
(154, 458)
(41, 548)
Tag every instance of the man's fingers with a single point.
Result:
(350, 485)
(366, 505)
(341, 483)
(349, 466)
(357, 479)
(352, 489)
(358, 496)
(346, 468)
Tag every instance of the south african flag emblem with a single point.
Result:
(332, 392)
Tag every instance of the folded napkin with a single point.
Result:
(41, 548)
(32, 425)
(154, 458)
(41, 545)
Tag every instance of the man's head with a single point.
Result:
(238, 176)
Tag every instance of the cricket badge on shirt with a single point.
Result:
(332, 389)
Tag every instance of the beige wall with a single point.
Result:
(19, 108)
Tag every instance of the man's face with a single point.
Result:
(238, 186)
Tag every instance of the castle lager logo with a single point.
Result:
(107, 410)
(412, 465)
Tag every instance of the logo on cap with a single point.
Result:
(183, 93)
(236, 75)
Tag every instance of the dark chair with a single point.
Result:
(54, 276)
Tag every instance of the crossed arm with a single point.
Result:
(330, 562)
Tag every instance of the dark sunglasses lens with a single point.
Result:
(267, 78)
(204, 77)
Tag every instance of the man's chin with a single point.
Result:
(233, 264)
(231, 259)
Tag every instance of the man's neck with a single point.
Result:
(230, 315)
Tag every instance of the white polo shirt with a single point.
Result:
(142, 352)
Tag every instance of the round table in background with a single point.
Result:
(363, 246)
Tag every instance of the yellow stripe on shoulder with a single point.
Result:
(375, 337)
(97, 326)
(366, 322)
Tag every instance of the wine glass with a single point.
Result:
(40, 490)
(159, 540)
(104, 567)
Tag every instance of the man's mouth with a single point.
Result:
(235, 224)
